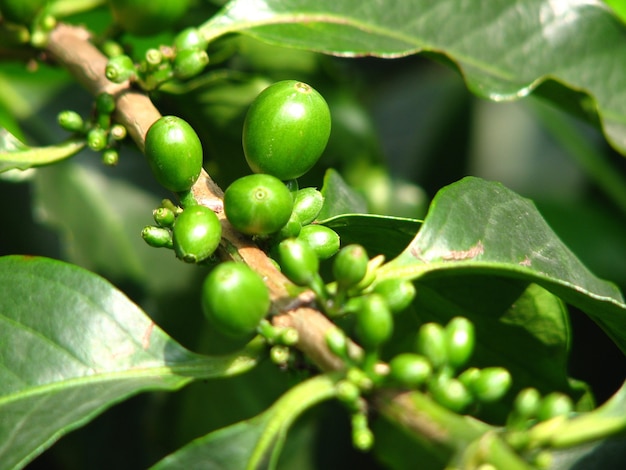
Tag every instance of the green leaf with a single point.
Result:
(255, 443)
(378, 234)
(71, 345)
(504, 48)
(476, 227)
(16, 155)
(339, 197)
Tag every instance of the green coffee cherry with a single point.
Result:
(399, 293)
(164, 216)
(298, 262)
(350, 265)
(110, 157)
(120, 68)
(97, 139)
(157, 237)
(469, 376)
(410, 370)
(118, 132)
(286, 130)
(337, 342)
(491, 384)
(147, 17)
(153, 58)
(431, 343)
(71, 121)
(111, 48)
(527, 403)
(459, 334)
(307, 204)
(554, 404)
(234, 299)
(450, 392)
(190, 38)
(105, 103)
(189, 62)
(197, 233)
(323, 240)
(374, 322)
(258, 204)
(174, 152)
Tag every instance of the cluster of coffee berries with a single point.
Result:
(100, 132)
(182, 61)
(26, 21)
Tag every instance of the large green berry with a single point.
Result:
(286, 130)
(234, 299)
(374, 322)
(323, 240)
(190, 38)
(258, 204)
(174, 153)
(71, 121)
(350, 265)
(298, 261)
(459, 341)
(147, 17)
(196, 234)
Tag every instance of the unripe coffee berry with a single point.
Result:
(350, 265)
(120, 68)
(554, 404)
(258, 204)
(459, 340)
(374, 322)
(190, 38)
(286, 130)
(399, 293)
(189, 62)
(196, 233)
(323, 240)
(307, 204)
(298, 262)
(157, 237)
(71, 121)
(234, 299)
(174, 152)
(491, 384)
(431, 342)
(410, 370)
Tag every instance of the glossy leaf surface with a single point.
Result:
(72, 345)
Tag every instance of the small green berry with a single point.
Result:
(164, 216)
(374, 322)
(450, 392)
(157, 237)
(298, 262)
(554, 404)
(459, 340)
(527, 403)
(307, 204)
(431, 342)
(491, 384)
(323, 240)
(110, 157)
(410, 370)
(190, 38)
(399, 293)
(350, 265)
(197, 233)
(97, 139)
(189, 62)
(71, 121)
(105, 103)
(120, 68)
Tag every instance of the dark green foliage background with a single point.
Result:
(402, 129)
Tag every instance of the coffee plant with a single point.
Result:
(307, 234)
